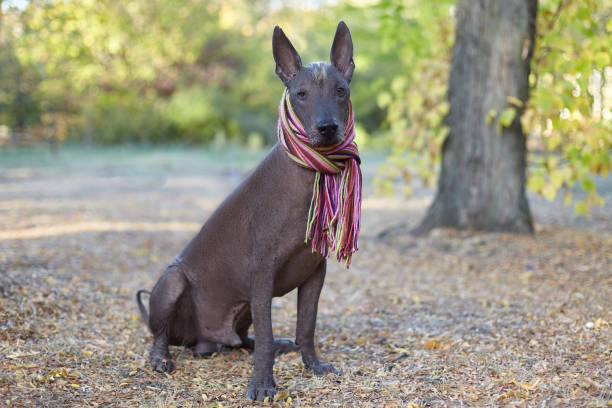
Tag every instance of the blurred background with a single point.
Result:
(193, 72)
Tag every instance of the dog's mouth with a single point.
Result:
(319, 140)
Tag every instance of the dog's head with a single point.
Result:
(319, 92)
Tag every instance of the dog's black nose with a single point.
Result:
(327, 129)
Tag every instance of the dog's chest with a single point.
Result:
(297, 269)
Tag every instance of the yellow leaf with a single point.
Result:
(531, 387)
(281, 395)
(384, 99)
(554, 141)
(556, 178)
(60, 373)
(514, 101)
(549, 192)
(552, 162)
(536, 183)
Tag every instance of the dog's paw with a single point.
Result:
(248, 344)
(282, 346)
(204, 354)
(162, 364)
(259, 390)
(323, 369)
(205, 349)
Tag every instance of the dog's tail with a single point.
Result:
(143, 309)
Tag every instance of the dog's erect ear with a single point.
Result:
(341, 55)
(288, 62)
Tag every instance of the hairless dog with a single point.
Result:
(253, 247)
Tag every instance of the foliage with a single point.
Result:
(421, 36)
(188, 71)
(102, 62)
(114, 118)
(18, 106)
(199, 71)
(569, 115)
(568, 119)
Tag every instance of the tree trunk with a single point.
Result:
(482, 181)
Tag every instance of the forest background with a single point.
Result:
(191, 72)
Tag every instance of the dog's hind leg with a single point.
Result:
(242, 329)
(205, 349)
(281, 346)
(162, 308)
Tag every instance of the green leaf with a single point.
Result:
(588, 185)
(602, 59)
(536, 182)
(507, 117)
(581, 208)
(586, 158)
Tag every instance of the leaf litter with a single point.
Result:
(450, 319)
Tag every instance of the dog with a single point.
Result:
(252, 248)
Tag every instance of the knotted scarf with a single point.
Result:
(334, 216)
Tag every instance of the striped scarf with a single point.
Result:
(334, 216)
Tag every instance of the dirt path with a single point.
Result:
(454, 318)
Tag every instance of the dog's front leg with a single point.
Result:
(308, 300)
(262, 383)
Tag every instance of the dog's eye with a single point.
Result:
(301, 94)
(341, 92)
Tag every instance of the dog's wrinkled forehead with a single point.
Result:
(319, 73)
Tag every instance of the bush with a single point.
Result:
(201, 115)
(126, 118)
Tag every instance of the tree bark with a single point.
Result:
(482, 180)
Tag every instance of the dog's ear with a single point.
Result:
(341, 55)
(288, 62)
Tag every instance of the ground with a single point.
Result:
(449, 319)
